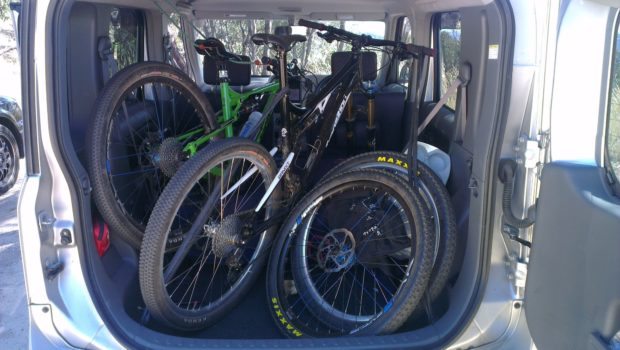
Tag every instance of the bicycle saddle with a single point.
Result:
(214, 48)
(281, 42)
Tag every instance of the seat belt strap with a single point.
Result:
(461, 82)
(459, 130)
(442, 102)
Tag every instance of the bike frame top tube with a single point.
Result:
(348, 74)
(328, 105)
(232, 101)
(231, 105)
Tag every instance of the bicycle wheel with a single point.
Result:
(141, 120)
(437, 200)
(209, 206)
(353, 257)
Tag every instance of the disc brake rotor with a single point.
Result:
(336, 250)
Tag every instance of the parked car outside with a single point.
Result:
(11, 142)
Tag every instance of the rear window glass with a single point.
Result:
(124, 31)
(313, 55)
(173, 45)
(613, 127)
(449, 37)
(404, 66)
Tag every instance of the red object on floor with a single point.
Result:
(102, 235)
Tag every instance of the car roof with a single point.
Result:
(315, 9)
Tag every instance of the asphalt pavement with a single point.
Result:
(13, 310)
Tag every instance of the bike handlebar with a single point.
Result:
(382, 42)
(311, 24)
(420, 50)
(333, 33)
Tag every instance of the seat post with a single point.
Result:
(222, 74)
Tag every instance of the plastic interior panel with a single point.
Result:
(573, 289)
(85, 23)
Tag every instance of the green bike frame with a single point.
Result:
(231, 105)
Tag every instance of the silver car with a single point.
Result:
(530, 120)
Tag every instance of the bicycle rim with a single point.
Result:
(346, 259)
(146, 133)
(217, 265)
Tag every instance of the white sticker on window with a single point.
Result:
(493, 51)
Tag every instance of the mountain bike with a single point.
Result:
(224, 206)
(150, 117)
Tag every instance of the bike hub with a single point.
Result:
(336, 250)
(167, 156)
(226, 235)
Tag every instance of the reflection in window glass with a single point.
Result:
(313, 55)
(404, 66)
(613, 128)
(449, 52)
(173, 45)
(124, 32)
(236, 34)
(406, 35)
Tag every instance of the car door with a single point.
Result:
(572, 297)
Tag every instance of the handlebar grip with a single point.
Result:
(311, 24)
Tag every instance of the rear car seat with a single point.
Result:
(440, 131)
(359, 138)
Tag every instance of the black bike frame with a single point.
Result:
(326, 108)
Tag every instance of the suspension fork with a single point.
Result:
(371, 127)
(350, 120)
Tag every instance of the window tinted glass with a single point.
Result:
(404, 66)
(124, 33)
(405, 35)
(313, 55)
(613, 128)
(237, 36)
(449, 49)
(173, 45)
